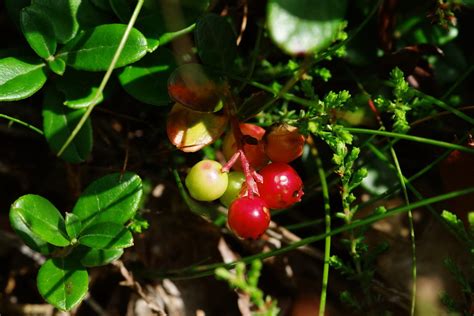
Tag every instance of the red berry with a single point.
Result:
(248, 217)
(281, 187)
(284, 143)
(254, 153)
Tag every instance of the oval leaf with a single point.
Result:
(89, 257)
(41, 217)
(113, 198)
(93, 50)
(31, 239)
(62, 16)
(215, 41)
(190, 130)
(196, 88)
(58, 123)
(80, 88)
(304, 26)
(73, 225)
(146, 80)
(38, 31)
(62, 282)
(106, 235)
(20, 78)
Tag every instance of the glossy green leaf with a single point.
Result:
(62, 282)
(197, 88)
(106, 235)
(62, 16)
(38, 30)
(93, 49)
(113, 198)
(80, 87)
(58, 123)
(190, 130)
(89, 257)
(73, 225)
(41, 217)
(147, 79)
(31, 239)
(304, 26)
(215, 41)
(20, 77)
(58, 66)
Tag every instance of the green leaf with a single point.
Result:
(93, 49)
(41, 217)
(89, 257)
(62, 17)
(73, 225)
(80, 87)
(58, 66)
(215, 41)
(147, 79)
(58, 123)
(106, 235)
(20, 77)
(113, 198)
(158, 23)
(62, 282)
(38, 31)
(304, 26)
(31, 239)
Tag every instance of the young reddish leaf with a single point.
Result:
(195, 88)
(191, 130)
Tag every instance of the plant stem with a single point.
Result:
(327, 246)
(412, 228)
(106, 78)
(205, 270)
(15, 120)
(410, 138)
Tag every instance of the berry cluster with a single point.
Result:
(249, 194)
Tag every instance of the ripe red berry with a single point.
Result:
(283, 143)
(255, 153)
(281, 187)
(248, 217)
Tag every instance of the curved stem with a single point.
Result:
(412, 228)
(15, 120)
(106, 78)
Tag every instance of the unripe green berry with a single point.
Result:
(236, 179)
(205, 181)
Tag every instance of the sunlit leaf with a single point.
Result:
(190, 130)
(304, 26)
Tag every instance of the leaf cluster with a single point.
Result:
(93, 234)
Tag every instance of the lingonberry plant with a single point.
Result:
(93, 234)
(283, 123)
